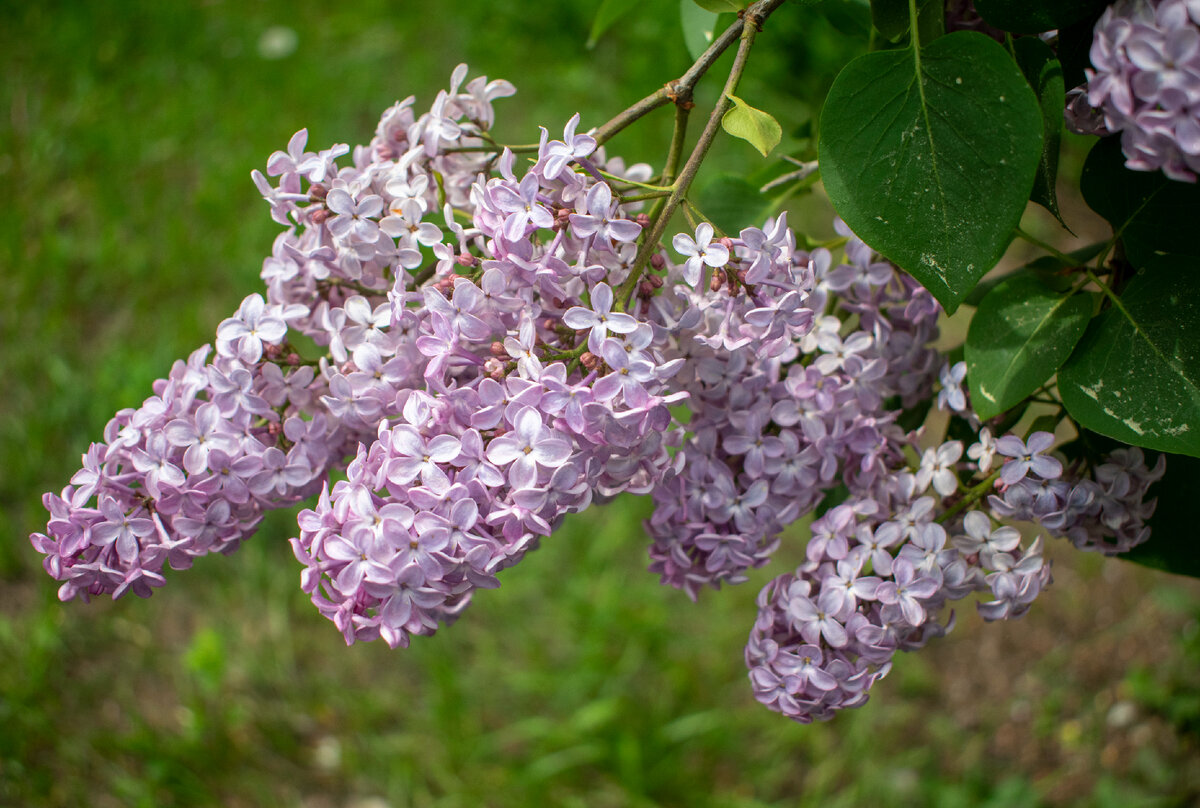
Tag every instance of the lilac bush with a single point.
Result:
(460, 343)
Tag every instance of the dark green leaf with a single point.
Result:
(1074, 46)
(1020, 336)
(890, 17)
(1047, 269)
(1035, 16)
(1148, 211)
(698, 27)
(1044, 74)
(849, 17)
(718, 6)
(933, 173)
(609, 12)
(1174, 544)
(732, 203)
(1135, 375)
(754, 126)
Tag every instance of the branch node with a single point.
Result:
(679, 94)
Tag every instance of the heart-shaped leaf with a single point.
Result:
(1020, 335)
(929, 156)
(752, 125)
(1135, 375)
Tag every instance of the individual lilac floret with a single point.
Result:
(700, 252)
(1145, 84)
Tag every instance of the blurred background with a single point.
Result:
(130, 228)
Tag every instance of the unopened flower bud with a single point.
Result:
(494, 368)
(317, 191)
(498, 349)
(293, 359)
(589, 360)
(466, 260)
(655, 281)
(717, 281)
(643, 219)
(657, 261)
(319, 215)
(727, 241)
(274, 429)
(272, 351)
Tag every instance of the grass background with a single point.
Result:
(130, 229)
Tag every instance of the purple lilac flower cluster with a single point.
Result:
(779, 420)
(490, 364)
(1145, 84)
(882, 565)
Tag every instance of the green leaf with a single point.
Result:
(1148, 211)
(1021, 334)
(1035, 16)
(1044, 74)
(890, 17)
(609, 12)
(732, 203)
(1074, 48)
(718, 6)
(1135, 375)
(1173, 545)
(851, 18)
(932, 166)
(756, 127)
(1046, 268)
(699, 27)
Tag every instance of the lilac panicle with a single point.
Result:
(485, 365)
(1144, 83)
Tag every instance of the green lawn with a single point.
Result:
(127, 135)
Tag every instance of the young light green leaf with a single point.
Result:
(753, 125)
(699, 27)
(718, 6)
(1020, 335)
(1135, 375)
(1044, 74)
(1148, 211)
(609, 12)
(929, 156)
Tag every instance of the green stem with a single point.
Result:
(647, 195)
(752, 18)
(665, 188)
(1037, 242)
(1110, 294)
(973, 495)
